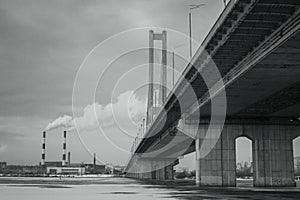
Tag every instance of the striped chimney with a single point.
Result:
(44, 149)
(69, 158)
(64, 149)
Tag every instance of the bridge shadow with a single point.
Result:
(186, 189)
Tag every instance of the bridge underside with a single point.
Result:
(256, 46)
(269, 90)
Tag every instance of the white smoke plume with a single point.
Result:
(128, 108)
(62, 121)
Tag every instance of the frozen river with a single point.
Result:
(77, 188)
(122, 188)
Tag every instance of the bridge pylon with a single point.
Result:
(155, 101)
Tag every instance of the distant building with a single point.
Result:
(118, 169)
(94, 169)
(66, 170)
(19, 170)
(56, 168)
(53, 163)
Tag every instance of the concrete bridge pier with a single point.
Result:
(272, 153)
(161, 169)
(157, 169)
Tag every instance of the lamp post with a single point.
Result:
(173, 65)
(141, 136)
(144, 128)
(192, 7)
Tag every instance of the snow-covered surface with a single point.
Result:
(111, 188)
(86, 188)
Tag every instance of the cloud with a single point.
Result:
(3, 148)
(127, 111)
(63, 121)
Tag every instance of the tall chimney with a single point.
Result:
(94, 160)
(64, 149)
(69, 158)
(44, 149)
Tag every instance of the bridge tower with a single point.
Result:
(153, 107)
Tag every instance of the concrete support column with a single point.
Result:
(273, 156)
(272, 150)
(145, 167)
(169, 172)
(215, 157)
(162, 170)
(157, 169)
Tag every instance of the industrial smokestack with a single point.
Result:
(94, 160)
(64, 149)
(69, 158)
(44, 149)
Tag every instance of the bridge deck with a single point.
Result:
(255, 45)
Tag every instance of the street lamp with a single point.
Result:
(192, 7)
(141, 136)
(144, 128)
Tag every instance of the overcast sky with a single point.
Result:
(42, 45)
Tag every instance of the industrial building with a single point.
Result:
(66, 170)
(65, 166)
(61, 167)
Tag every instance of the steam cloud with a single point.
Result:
(63, 121)
(127, 108)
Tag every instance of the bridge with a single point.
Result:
(255, 92)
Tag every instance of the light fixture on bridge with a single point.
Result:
(192, 7)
